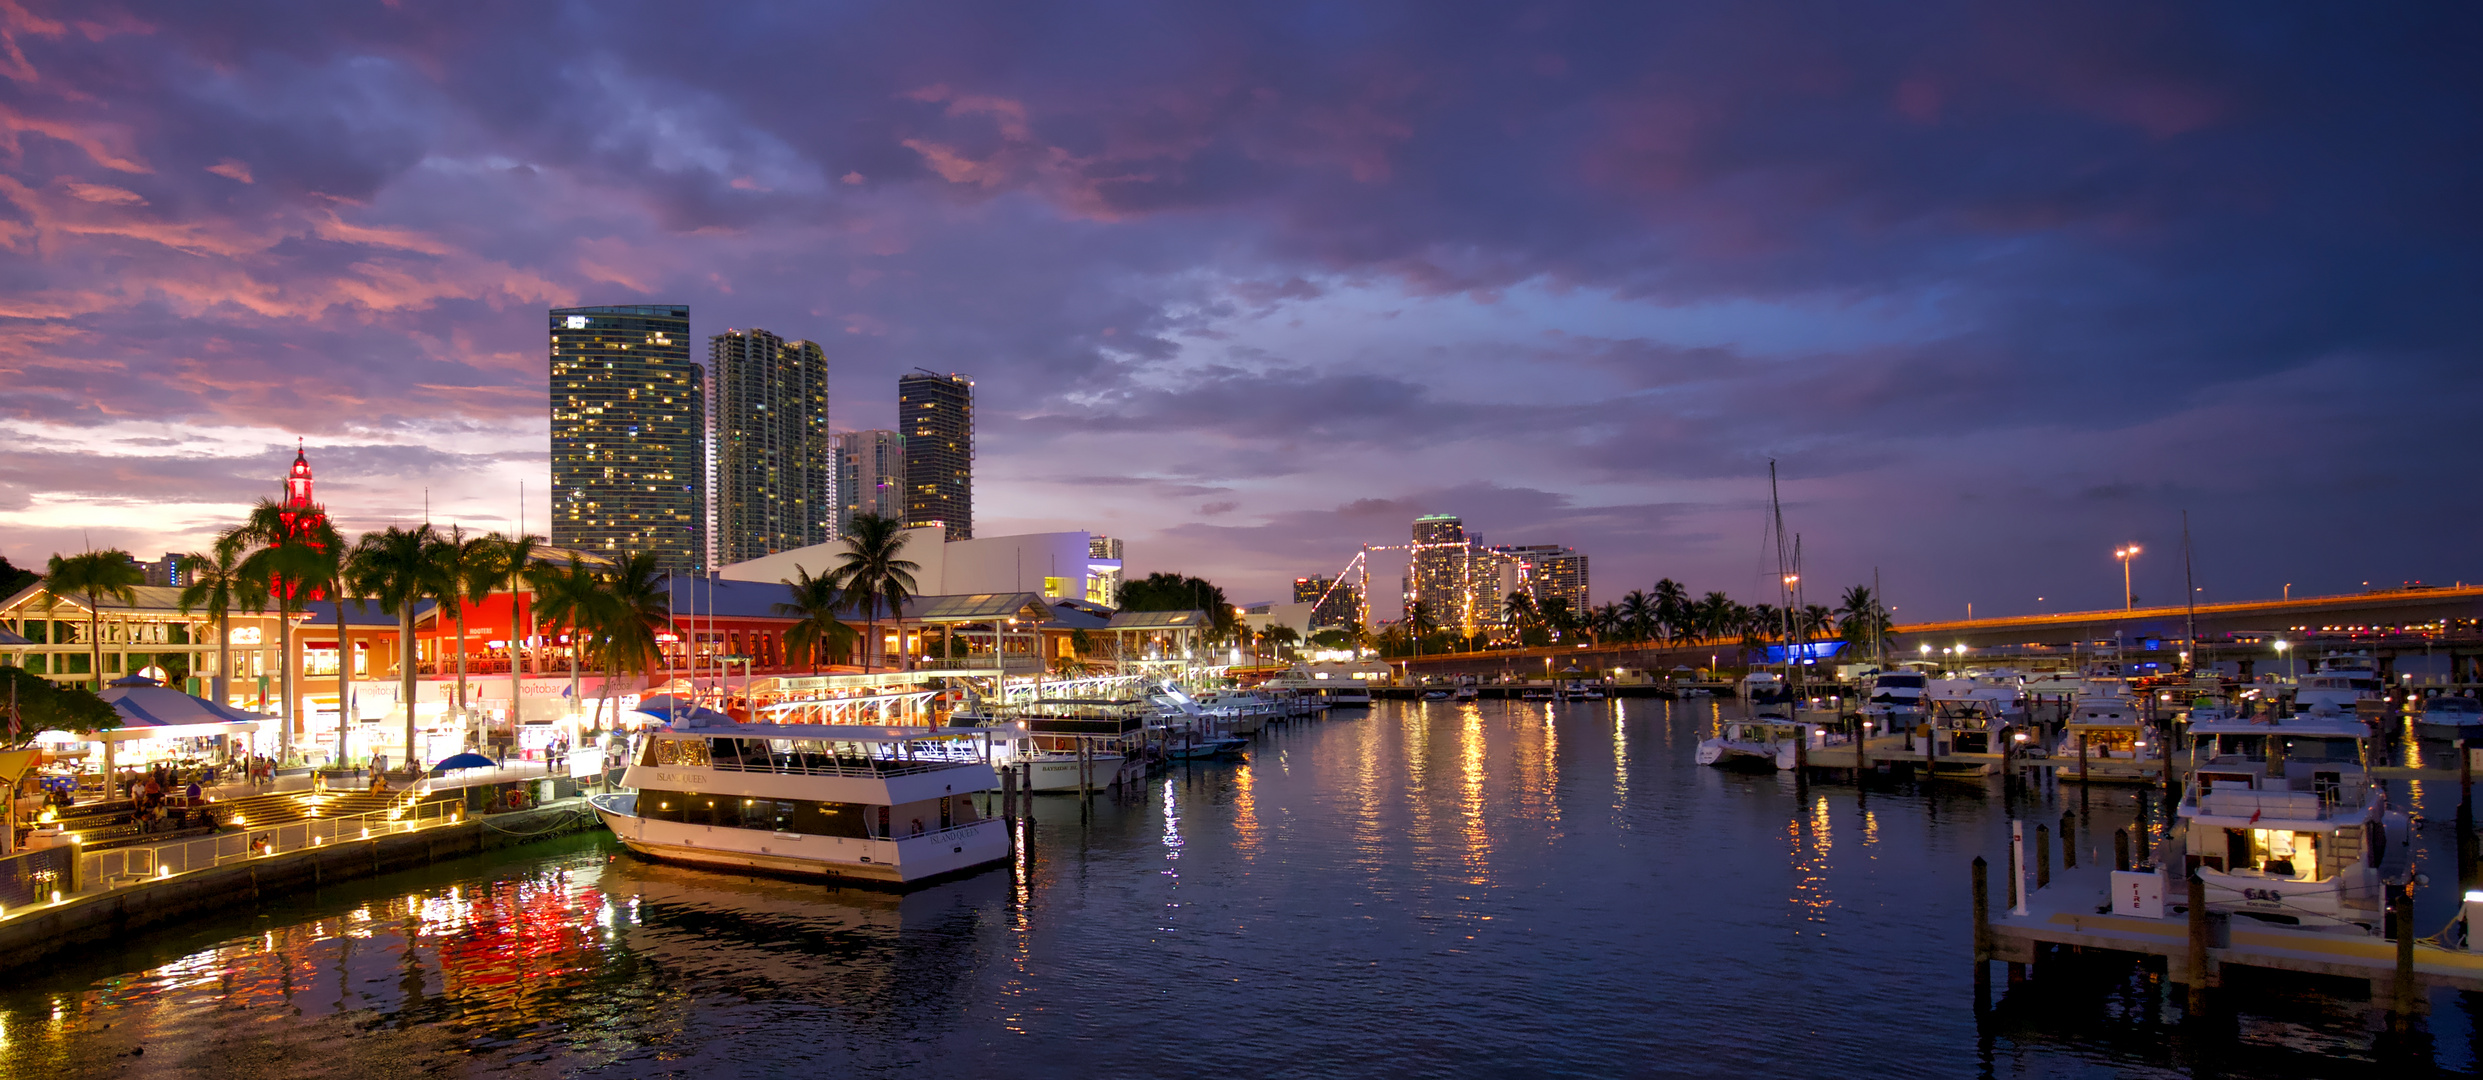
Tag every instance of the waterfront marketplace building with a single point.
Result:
(725, 643)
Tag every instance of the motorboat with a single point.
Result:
(1466, 691)
(2450, 717)
(1763, 687)
(2346, 685)
(2105, 740)
(1435, 694)
(1773, 744)
(2288, 825)
(821, 800)
(1206, 747)
(1896, 697)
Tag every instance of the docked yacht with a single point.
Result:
(2106, 741)
(831, 800)
(2348, 685)
(1763, 687)
(1768, 743)
(2287, 823)
(1896, 697)
(2450, 717)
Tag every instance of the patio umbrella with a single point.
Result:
(456, 762)
(681, 712)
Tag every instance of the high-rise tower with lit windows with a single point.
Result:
(629, 433)
(935, 413)
(775, 479)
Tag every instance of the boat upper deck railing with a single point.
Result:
(826, 765)
(2319, 804)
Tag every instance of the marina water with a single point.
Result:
(1431, 889)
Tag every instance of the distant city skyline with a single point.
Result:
(2000, 293)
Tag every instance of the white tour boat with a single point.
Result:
(832, 800)
(2287, 823)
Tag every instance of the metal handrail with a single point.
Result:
(111, 868)
(869, 772)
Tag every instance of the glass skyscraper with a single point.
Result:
(629, 434)
(775, 463)
(870, 476)
(936, 414)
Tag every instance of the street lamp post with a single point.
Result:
(2280, 651)
(2125, 554)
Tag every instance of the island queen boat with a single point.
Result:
(820, 800)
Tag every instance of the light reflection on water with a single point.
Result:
(1412, 893)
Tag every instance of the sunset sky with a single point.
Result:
(1999, 287)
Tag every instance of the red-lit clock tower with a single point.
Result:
(301, 515)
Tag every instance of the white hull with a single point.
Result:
(1777, 756)
(896, 861)
(1061, 773)
(2354, 896)
(2102, 770)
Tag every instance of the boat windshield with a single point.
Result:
(2313, 749)
(2247, 747)
(2451, 704)
(1901, 682)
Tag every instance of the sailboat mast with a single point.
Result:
(1784, 575)
(2189, 589)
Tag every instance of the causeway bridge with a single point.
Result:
(2441, 624)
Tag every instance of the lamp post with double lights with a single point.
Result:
(2125, 554)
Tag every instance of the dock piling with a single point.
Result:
(2465, 816)
(2043, 857)
(2142, 825)
(2017, 867)
(2196, 971)
(1982, 933)
(2402, 899)
(2121, 849)
(2069, 841)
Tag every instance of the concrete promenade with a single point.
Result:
(126, 903)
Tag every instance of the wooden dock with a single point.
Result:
(2064, 916)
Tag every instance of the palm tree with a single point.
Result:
(1519, 610)
(1715, 615)
(468, 569)
(511, 557)
(277, 570)
(94, 575)
(1637, 615)
(629, 608)
(215, 584)
(1816, 621)
(872, 572)
(1281, 636)
(567, 596)
(323, 570)
(1860, 616)
(816, 600)
(1608, 624)
(399, 568)
(1673, 609)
